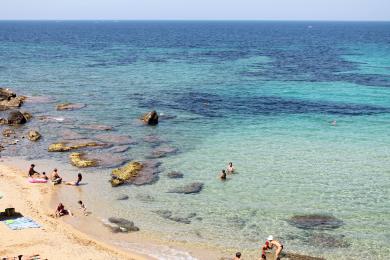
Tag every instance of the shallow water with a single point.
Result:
(261, 95)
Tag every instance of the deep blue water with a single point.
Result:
(261, 94)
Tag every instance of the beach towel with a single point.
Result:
(21, 223)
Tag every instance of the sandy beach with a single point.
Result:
(56, 239)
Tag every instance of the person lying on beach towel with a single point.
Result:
(61, 211)
(77, 182)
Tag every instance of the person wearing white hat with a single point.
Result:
(270, 244)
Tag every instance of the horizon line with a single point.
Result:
(191, 20)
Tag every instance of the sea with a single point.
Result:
(301, 109)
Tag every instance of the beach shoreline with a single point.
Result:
(55, 239)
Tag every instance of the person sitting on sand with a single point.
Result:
(44, 176)
(61, 211)
(31, 171)
(55, 178)
(230, 168)
(77, 182)
(238, 256)
(223, 175)
(270, 244)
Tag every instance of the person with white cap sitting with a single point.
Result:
(270, 244)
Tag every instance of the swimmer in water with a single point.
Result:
(230, 168)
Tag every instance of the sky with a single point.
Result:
(339, 10)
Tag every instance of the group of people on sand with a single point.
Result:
(55, 177)
(229, 170)
(270, 244)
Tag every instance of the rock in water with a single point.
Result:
(79, 160)
(175, 175)
(315, 221)
(126, 173)
(33, 135)
(122, 197)
(27, 115)
(7, 132)
(150, 118)
(194, 187)
(8, 99)
(70, 106)
(124, 224)
(65, 147)
(16, 118)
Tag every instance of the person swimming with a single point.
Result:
(230, 168)
(238, 256)
(270, 244)
(222, 176)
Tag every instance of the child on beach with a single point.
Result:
(61, 211)
(31, 171)
(44, 176)
(83, 208)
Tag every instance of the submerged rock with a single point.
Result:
(162, 151)
(150, 118)
(315, 221)
(175, 175)
(119, 149)
(7, 132)
(68, 134)
(327, 240)
(8, 99)
(115, 139)
(27, 115)
(167, 214)
(145, 198)
(65, 146)
(69, 106)
(122, 197)
(16, 118)
(293, 256)
(120, 225)
(191, 188)
(97, 127)
(33, 135)
(80, 160)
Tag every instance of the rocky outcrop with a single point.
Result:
(69, 106)
(191, 188)
(33, 135)
(126, 173)
(16, 118)
(80, 160)
(8, 99)
(321, 240)
(65, 146)
(315, 221)
(150, 118)
(136, 173)
(175, 175)
(120, 225)
(27, 115)
(7, 132)
(97, 127)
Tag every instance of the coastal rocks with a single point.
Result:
(7, 132)
(175, 175)
(65, 147)
(120, 225)
(16, 118)
(326, 240)
(293, 256)
(69, 106)
(27, 115)
(150, 118)
(315, 221)
(167, 214)
(68, 134)
(162, 151)
(145, 198)
(136, 173)
(108, 159)
(97, 127)
(126, 173)
(122, 197)
(115, 139)
(3, 121)
(191, 188)
(6, 94)
(119, 149)
(154, 140)
(80, 160)
(33, 135)
(8, 99)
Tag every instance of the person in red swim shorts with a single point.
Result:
(271, 244)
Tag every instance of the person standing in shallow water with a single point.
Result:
(222, 176)
(230, 168)
(238, 256)
(271, 244)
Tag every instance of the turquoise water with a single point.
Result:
(261, 95)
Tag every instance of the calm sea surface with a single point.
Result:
(260, 94)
